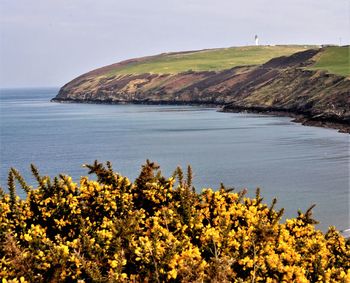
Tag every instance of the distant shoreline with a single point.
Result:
(299, 118)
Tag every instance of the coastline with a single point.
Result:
(297, 116)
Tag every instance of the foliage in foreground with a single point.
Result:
(111, 230)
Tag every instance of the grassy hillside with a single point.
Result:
(208, 60)
(270, 78)
(335, 60)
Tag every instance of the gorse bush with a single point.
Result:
(157, 230)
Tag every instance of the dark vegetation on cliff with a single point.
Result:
(157, 229)
(307, 82)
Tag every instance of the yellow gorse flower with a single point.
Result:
(156, 230)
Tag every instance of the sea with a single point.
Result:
(298, 165)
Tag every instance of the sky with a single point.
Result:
(50, 42)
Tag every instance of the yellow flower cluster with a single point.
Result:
(112, 230)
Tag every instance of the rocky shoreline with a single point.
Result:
(301, 118)
(297, 117)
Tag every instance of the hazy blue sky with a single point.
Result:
(49, 42)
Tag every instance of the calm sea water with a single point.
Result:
(298, 165)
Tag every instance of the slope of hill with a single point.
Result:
(208, 60)
(306, 81)
(335, 60)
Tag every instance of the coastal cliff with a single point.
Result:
(290, 84)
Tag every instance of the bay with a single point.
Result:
(299, 165)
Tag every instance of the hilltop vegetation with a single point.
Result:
(334, 60)
(208, 60)
(157, 230)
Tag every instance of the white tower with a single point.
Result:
(256, 40)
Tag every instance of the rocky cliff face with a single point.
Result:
(281, 85)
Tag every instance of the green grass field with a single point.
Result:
(335, 60)
(209, 60)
